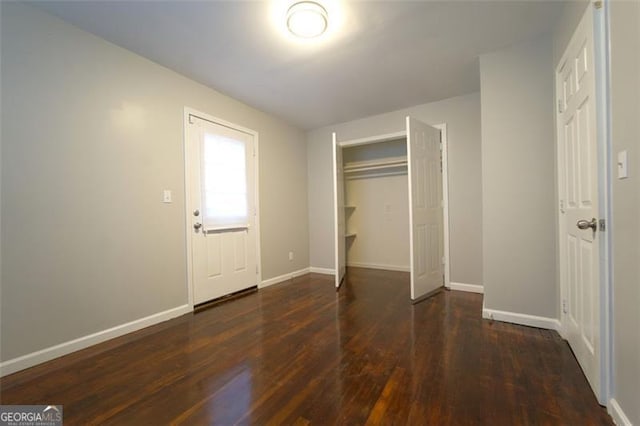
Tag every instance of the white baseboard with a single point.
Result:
(521, 319)
(616, 413)
(284, 277)
(379, 266)
(471, 288)
(47, 354)
(325, 271)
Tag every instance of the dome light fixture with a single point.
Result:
(307, 19)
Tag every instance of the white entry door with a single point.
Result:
(578, 190)
(339, 221)
(425, 208)
(221, 208)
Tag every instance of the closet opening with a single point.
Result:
(377, 205)
(390, 205)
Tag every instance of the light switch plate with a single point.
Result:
(623, 171)
(166, 196)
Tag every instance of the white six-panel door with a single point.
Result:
(425, 208)
(339, 221)
(578, 190)
(221, 209)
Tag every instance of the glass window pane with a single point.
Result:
(224, 181)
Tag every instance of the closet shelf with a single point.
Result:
(364, 166)
(350, 235)
(350, 207)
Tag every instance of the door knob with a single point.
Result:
(197, 226)
(586, 224)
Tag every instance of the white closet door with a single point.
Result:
(338, 203)
(425, 208)
(578, 187)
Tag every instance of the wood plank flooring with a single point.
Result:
(299, 353)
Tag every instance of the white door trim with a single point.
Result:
(445, 181)
(338, 211)
(445, 199)
(187, 190)
(601, 58)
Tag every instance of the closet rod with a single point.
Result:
(389, 165)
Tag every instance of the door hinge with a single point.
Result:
(560, 106)
(561, 206)
(564, 306)
(597, 4)
(443, 260)
(603, 225)
(256, 269)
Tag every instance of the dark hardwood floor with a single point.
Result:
(299, 353)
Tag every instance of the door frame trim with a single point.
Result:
(338, 239)
(445, 183)
(601, 58)
(187, 191)
(445, 200)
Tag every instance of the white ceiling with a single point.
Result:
(384, 56)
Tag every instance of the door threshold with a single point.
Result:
(223, 299)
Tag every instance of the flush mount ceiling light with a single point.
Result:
(307, 19)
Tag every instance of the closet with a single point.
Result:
(389, 207)
(377, 205)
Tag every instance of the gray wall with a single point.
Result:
(91, 135)
(625, 111)
(462, 115)
(518, 168)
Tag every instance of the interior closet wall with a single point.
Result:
(377, 208)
